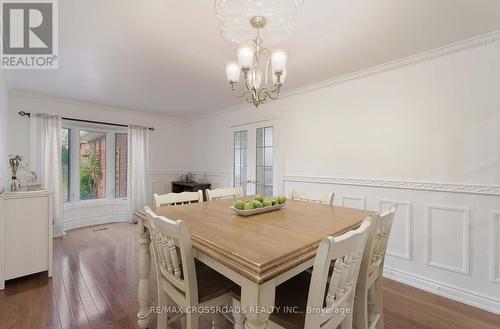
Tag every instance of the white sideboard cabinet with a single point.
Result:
(26, 230)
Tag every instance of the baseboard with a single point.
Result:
(445, 290)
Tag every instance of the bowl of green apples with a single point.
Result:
(258, 205)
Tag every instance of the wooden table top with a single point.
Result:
(262, 246)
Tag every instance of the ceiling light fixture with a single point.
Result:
(263, 71)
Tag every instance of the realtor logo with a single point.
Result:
(29, 34)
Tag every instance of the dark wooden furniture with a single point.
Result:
(178, 187)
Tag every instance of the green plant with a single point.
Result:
(90, 174)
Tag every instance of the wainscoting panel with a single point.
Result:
(445, 238)
(495, 246)
(94, 212)
(400, 238)
(354, 202)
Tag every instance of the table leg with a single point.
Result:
(257, 301)
(144, 270)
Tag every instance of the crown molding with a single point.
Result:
(437, 187)
(43, 97)
(414, 59)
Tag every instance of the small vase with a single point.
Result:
(14, 184)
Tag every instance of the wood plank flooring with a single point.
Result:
(95, 287)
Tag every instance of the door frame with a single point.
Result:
(277, 155)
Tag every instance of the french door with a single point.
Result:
(254, 158)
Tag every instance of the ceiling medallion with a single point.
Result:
(250, 22)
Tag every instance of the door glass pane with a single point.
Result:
(92, 165)
(121, 165)
(240, 159)
(65, 134)
(264, 161)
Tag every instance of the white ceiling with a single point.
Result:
(168, 56)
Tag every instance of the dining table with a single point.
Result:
(257, 252)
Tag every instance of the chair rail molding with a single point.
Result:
(408, 229)
(410, 185)
(495, 246)
(465, 213)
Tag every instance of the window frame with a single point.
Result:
(74, 158)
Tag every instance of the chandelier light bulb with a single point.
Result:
(245, 56)
(233, 72)
(282, 78)
(279, 58)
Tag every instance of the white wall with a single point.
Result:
(382, 137)
(3, 131)
(168, 148)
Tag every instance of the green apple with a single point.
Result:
(259, 197)
(248, 206)
(268, 202)
(282, 199)
(239, 204)
(257, 204)
(275, 200)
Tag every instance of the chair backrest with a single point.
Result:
(347, 252)
(314, 197)
(171, 199)
(376, 246)
(224, 193)
(380, 238)
(173, 255)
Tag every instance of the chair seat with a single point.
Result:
(291, 302)
(211, 284)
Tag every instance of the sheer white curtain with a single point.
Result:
(45, 155)
(137, 180)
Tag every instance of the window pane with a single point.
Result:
(264, 161)
(121, 165)
(240, 158)
(269, 136)
(92, 165)
(260, 137)
(65, 159)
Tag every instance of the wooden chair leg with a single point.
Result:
(379, 302)
(191, 321)
(347, 323)
(239, 317)
(162, 315)
(361, 310)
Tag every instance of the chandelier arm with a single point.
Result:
(243, 93)
(247, 84)
(276, 93)
(262, 91)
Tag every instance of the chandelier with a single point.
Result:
(249, 22)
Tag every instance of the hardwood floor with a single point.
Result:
(95, 286)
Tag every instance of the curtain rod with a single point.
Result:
(28, 114)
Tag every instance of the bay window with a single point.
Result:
(94, 162)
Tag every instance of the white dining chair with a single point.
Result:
(318, 300)
(171, 199)
(369, 302)
(314, 197)
(187, 282)
(224, 193)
